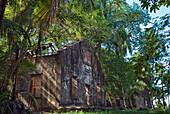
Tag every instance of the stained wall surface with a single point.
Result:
(50, 81)
(79, 61)
(73, 76)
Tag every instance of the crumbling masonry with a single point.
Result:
(72, 77)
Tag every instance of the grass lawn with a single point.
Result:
(121, 112)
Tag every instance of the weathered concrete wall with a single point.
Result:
(22, 86)
(79, 60)
(48, 78)
(71, 66)
(50, 81)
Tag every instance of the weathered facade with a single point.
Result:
(73, 76)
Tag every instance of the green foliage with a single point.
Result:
(26, 67)
(118, 74)
(14, 41)
(37, 105)
(112, 26)
(5, 105)
(148, 63)
(159, 105)
(154, 4)
(3, 98)
(11, 28)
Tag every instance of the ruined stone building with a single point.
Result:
(72, 77)
(138, 100)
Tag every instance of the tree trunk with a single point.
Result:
(151, 94)
(6, 67)
(2, 10)
(15, 74)
(124, 100)
(99, 49)
(168, 96)
(39, 43)
(110, 100)
(164, 104)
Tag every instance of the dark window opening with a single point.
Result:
(87, 87)
(35, 86)
(74, 86)
(98, 91)
(87, 57)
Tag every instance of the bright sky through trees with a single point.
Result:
(163, 11)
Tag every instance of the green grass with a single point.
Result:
(121, 112)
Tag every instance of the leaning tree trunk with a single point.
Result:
(15, 74)
(124, 99)
(2, 10)
(110, 100)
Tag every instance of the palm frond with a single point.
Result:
(37, 105)
(8, 25)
